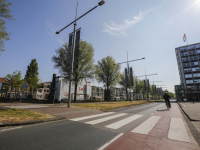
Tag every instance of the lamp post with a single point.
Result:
(153, 86)
(128, 71)
(73, 49)
(146, 79)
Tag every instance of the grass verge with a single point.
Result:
(20, 115)
(109, 105)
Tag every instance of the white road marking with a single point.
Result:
(105, 119)
(123, 122)
(114, 139)
(92, 116)
(11, 128)
(146, 126)
(178, 131)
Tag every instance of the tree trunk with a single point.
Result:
(15, 94)
(75, 91)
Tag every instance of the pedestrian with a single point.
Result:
(167, 97)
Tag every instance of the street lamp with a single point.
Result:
(128, 72)
(153, 87)
(72, 59)
(146, 79)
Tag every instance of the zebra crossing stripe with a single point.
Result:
(146, 126)
(123, 122)
(105, 119)
(92, 116)
(178, 131)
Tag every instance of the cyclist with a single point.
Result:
(167, 97)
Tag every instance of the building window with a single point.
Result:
(189, 81)
(197, 46)
(195, 69)
(197, 81)
(193, 58)
(187, 70)
(196, 74)
(184, 54)
(182, 49)
(186, 65)
(194, 63)
(188, 76)
(191, 47)
(185, 59)
(192, 52)
(198, 51)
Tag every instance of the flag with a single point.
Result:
(184, 38)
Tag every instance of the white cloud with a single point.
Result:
(119, 29)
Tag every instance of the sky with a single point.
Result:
(147, 28)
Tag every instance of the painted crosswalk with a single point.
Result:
(177, 130)
(146, 126)
(92, 116)
(123, 122)
(105, 119)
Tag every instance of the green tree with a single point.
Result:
(32, 75)
(139, 86)
(85, 69)
(172, 95)
(5, 13)
(14, 80)
(166, 91)
(108, 73)
(122, 82)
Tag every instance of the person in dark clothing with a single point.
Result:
(167, 97)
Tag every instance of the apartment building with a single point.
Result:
(188, 61)
(97, 93)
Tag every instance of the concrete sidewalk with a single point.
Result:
(192, 110)
(164, 130)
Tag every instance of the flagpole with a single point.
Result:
(186, 39)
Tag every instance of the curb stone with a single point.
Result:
(186, 113)
(31, 122)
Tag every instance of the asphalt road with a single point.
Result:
(73, 135)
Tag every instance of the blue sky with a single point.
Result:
(150, 29)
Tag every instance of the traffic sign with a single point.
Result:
(24, 85)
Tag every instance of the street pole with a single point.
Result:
(73, 49)
(146, 80)
(72, 61)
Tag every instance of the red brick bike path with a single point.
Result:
(157, 138)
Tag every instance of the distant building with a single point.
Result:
(43, 91)
(3, 87)
(97, 93)
(62, 90)
(178, 92)
(188, 60)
